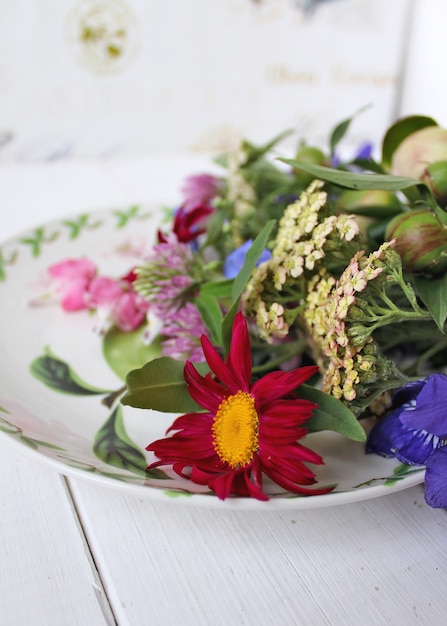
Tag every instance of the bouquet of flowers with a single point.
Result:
(288, 296)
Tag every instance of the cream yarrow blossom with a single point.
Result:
(341, 315)
(308, 236)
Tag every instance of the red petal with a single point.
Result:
(220, 369)
(282, 481)
(222, 484)
(285, 412)
(239, 358)
(203, 389)
(276, 385)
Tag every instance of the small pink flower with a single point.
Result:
(71, 279)
(103, 291)
(116, 303)
(129, 311)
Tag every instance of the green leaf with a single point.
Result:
(402, 470)
(341, 129)
(211, 314)
(433, 293)
(172, 493)
(160, 385)
(6, 261)
(215, 224)
(369, 165)
(257, 152)
(35, 242)
(57, 375)
(9, 427)
(123, 217)
(251, 258)
(399, 131)
(113, 446)
(75, 226)
(227, 325)
(219, 288)
(377, 211)
(126, 351)
(331, 414)
(354, 180)
(40, 443)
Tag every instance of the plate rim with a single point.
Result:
(211, 501)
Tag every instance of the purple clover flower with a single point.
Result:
(182, 330)
(415, 432)
(234, 261)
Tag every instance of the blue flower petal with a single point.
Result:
(418, 448)
(408, 392)
(430, 413)
(391, 438)
(436, 479)
(234, 261)
(381, 439)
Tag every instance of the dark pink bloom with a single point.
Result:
(71, 279)
(114, 300)
(117, 303)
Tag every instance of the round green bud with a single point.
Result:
(311, 155)
(420, 241)
(435, 176)
(419, 150)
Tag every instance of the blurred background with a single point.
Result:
(122, 78)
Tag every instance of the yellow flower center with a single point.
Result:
(235, 430)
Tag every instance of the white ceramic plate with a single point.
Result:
(87, 433)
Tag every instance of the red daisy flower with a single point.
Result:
(246, 431)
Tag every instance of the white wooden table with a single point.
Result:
(75, 553)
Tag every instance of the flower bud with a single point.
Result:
(385, 202)
(369, 206)
(435, 176)
(419, 150)
(311, 155)
(420, 240)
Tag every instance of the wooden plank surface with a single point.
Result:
(47, 575)
(382, 561)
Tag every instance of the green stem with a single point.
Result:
(428, 354)
(401, 316)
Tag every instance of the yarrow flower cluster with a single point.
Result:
(331, 316)
(336, 265)
(306, 239)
